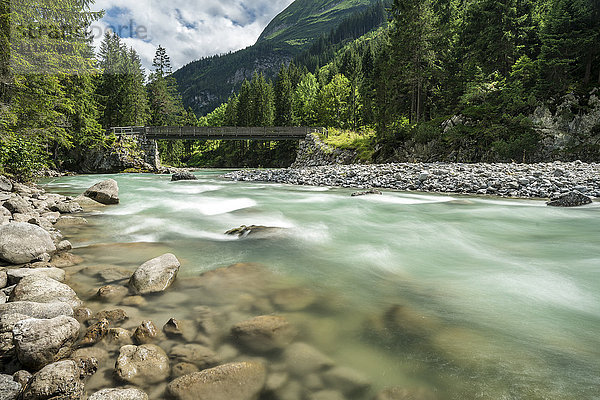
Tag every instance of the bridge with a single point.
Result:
(268, 133)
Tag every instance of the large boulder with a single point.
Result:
(21, 243)
(571, 199)
(183, 176)
(234, 381)
(142, 365)
(42, 341)
(155, 275)
(119, 394)
(37, 310)
(105, 192)
(9, 389)
(67, 207)
(17, 204)
(264, 333)
(62, 380)
(42, 289)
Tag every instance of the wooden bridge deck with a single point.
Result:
(216, 133)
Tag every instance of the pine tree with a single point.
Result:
(283, 98)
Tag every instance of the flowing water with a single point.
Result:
(452, 297)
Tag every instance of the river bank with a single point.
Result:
(543, 180)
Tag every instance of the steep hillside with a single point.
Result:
(206, 83)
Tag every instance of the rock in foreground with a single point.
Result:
(61, 380)
(39, 288)
(142, 365)
(105, 192)
(155, 275)
(234, 381)
(119, 394)
(571, 199)
(183, 176)
(21, 243)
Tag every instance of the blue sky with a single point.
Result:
(188, 29)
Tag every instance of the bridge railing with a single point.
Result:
(217, 133)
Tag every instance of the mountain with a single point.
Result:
(206, 83)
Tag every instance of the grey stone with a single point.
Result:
(37, 310)
(196, 354)
(23, 377)
(5, 184)
(183, 176)
(105, 192)
(239, 381)
(3, 279)
(142, 365)
(571, 199)
(346, 380)
(67, 207)
(155, 275)
(15, 275)
(42, 289)
(17, 204)
(9, 389)
(21, 243)
(119, 394)
(41, 341)
(4, 212)
(70, 221)
(61, 380)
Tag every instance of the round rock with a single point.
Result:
(239, 381)
(105, 192)
(264, 333)
(142, 365)
(155, 275)
(21, 243)
(61, 380)
(42, 289)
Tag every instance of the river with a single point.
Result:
(456, 297)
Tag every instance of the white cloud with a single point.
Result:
(188, 29)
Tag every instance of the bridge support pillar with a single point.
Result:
(149, 148)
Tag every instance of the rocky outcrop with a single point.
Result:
(127, 153)
(105, 192)
(21, 243)
(183, 176)
(142, 365)
(239, 381)
(155, 275)
(264, 333)
(313, 152)
(42, 341)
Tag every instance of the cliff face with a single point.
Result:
(313, 152)
(571, 130)
(127, 153)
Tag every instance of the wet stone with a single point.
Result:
(82, 314)
(95, 333)
(119, 394)
(183, 368)
(142, 365)
(199, 355)
(294, 299)
(347, 380)
(119, 336)
(115, 316)
(180, 329)
(112, 293)
(145, 333)
(264, 333)
(303, 359)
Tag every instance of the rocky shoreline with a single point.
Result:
(57, 332)
(544, 180)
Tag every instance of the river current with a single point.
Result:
(452, 297)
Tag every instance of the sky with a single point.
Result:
(187, 29)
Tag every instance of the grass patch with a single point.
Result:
(363, 141)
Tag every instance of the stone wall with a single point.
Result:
(312, 152)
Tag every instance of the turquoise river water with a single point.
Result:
(451, 297)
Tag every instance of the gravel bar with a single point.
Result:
(543, 180)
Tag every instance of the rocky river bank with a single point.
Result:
(544, 180)
(69, 331)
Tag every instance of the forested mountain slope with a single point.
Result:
(204, 84)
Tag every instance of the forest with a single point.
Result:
(489, 63)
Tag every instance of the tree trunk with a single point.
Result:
(588, 70)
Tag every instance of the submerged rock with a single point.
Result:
(399, 393)
(142, 365)
(346, 380)
(571, 199)
(105, 192)
(145, 333)
(366, 192)
(155, 275)
(95, 333)
(264, 333)
(62, 380)
(256, 231)
(183, 176)
(42, 341)
(21, 243)
(200, 356)
(119, 394)
(303, 359)
(234, 381)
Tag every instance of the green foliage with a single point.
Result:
(20, 158)
(362, 141)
